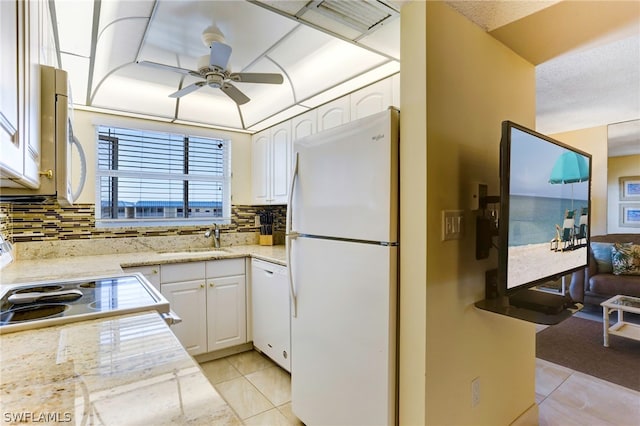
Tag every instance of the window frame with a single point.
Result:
(224, 182)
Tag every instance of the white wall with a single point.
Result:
(84, 127)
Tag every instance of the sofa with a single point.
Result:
(610, 272)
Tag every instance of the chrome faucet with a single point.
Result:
(216, 235)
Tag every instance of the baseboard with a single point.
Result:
(210, 356)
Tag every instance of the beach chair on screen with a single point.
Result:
(582, 229)
(565, 235)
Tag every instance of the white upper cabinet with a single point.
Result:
(334, 113)
(271, 164)
(10, 40)
(304, 124)
(260, 166)
(23, 25)
(272, 160)
(371, 99)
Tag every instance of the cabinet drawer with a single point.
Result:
(151, 273)
(178, 272)
(225, 267)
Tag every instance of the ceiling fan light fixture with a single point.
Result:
(215, 80)
(212, 34)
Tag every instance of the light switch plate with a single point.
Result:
(452, 224)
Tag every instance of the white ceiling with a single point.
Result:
(587, 56)
(102, 58)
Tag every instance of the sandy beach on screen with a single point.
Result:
(534, 261)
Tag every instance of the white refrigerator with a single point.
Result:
(342, 244)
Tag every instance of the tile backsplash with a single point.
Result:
(49, 221)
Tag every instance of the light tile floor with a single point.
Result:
(256, 388)
(567, 397)
(260, 393)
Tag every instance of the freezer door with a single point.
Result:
(347, 181)
(344, 336)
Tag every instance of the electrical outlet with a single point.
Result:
(256, 220)
(475, 392)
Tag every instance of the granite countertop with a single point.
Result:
(123, 370)
(70, 267)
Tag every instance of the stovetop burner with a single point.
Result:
(32, 312)
(39, 289)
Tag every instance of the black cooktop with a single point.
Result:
(67, 298)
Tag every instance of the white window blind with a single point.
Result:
(155, 176)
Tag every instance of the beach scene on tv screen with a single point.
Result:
(548, 209)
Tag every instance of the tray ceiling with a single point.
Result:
(320, 55)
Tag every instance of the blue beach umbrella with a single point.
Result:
(570, 167)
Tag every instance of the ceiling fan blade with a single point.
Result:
(257, 77)
(234, 93)
(186, 90)
(220, 54)
(169, 68)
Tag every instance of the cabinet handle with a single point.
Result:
(46, 173)
(201, 285)
(154, 271)
(211, 285)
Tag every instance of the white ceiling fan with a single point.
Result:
(212, 69)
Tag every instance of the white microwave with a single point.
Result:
(57, 141)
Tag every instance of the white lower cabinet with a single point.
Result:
(271, 311)
(226, 312)
(151, 273)
(211, 301)
(187, 299)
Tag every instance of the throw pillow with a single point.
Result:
(602, 252)
(626, 259)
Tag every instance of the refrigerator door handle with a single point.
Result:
(291, 235)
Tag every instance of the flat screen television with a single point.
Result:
(545, 205)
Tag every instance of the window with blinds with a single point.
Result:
(154, 176)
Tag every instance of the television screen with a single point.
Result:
(545, 206)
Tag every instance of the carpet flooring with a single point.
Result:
(576, 343)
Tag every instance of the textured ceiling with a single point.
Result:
(587, 57)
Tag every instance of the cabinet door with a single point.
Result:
(304, 124)
(226, 312)
(9, 85)
(188, 301)
(271, 312)
(31, 105)
(281, 162)
(371, 99)
(334, 113)
(260, 167)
